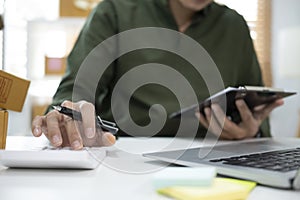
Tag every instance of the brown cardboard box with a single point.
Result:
(55, 66)
(3, 128)
(76, 8)
(13, 91)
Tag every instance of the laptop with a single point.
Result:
(268, 161)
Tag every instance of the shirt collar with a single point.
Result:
(201, 13)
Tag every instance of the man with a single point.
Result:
(221, 31)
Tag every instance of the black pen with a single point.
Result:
(103, 124)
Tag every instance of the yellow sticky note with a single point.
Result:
(222, 188)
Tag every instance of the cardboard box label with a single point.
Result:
(5, 86)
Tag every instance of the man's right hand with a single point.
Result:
(62, 130)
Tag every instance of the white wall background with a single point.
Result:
(285, 16)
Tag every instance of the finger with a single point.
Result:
(214, 126)
(73, 133)
(53, 119)
(245, 113)
(219, 114)
(250, 123)
(71, 129)
(230, 130)
(108, 139)
(88, 118)
(205, 123)
(264, 113)
(278, 102)
(68, 104)
(101, 139)
(226, 136)
(65, 139)
(36, 126)
(202, 119)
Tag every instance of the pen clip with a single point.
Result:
(58, 108)
(104, 122)
(107, 125)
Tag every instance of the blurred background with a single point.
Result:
(38, 35)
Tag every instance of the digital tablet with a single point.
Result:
(252, 95)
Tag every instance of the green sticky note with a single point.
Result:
(184, 176)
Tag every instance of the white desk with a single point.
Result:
(125, 174)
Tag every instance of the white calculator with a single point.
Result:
(87, 158)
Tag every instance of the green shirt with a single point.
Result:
(221, 31)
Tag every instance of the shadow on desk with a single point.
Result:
(16, 172)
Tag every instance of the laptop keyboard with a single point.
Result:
(283, 160)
